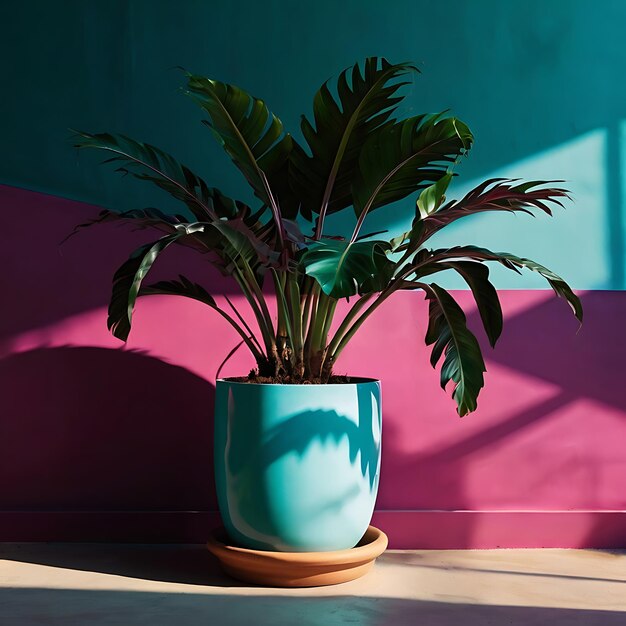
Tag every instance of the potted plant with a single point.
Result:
(297, 448)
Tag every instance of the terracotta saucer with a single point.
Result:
(298, 569)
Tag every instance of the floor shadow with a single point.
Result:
(98, 429)
(190, 564)
(26, 606)
(417, 559)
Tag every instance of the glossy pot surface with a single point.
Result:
(296, 466)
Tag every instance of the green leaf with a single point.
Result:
(512, 262)
(433, 196)
(342, 268)
(181, 287)
(410, 240)
(406, 157)
(366, 99)
(496, 194)
(147, 162)
(383, 274)
(448, 334)
(128, 278)
(476, 275)
(140, 218)
(252, 136)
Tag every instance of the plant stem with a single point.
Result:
(268, 339)
(330, 313)
(352, 313)
(307, 288)
(295, 311)
(252, 281)
(258, 355)
(315, 294)
(358, 323)
(285, 334)
(243, 322)
(323, 304)
(325, 310)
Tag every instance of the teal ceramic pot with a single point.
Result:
(296, 466)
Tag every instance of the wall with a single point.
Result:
(104, 441)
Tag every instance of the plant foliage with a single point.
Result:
(357, 155)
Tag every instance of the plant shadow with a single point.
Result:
(25, 606)
(298, 432)
(97, 429)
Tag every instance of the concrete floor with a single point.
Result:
(182, 585)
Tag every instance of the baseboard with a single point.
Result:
(434, 530)
(483, 530)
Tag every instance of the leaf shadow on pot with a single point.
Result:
(312, 464)
(299, 431)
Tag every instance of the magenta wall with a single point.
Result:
(102, 441)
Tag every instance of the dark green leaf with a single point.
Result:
(382, 276)
(252, 136)
(448, 334)
(406, 157)
(343, 268)
(366, 99)
(433, 196)
(128, 278)
(496, 194)
(149, 163)
(181, 287)
(476, 275)
(140, 218)
(512, 262)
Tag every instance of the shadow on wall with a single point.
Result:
(99, 429)
(25, 606)
(47, 282)
(546, 342)
(540, 343)
(85, 406)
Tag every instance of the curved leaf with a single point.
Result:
(252, 136)
(181, 287)
(515, 263)
(343, 268)
(141, 218)
(237, 242)
(226, 237)
(476, 275)
(433, 196)
(127, 281)
(448, 334)
(147, 162)
(188, 289)
(398, 160)
(496, 194)
(409, 240)
(365, 102)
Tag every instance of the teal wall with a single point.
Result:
(542, 83)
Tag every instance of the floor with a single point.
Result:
(161, 585)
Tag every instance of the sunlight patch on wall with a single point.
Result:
(574, 243)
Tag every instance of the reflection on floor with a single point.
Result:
(181, 585)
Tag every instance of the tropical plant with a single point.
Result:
(358, 157)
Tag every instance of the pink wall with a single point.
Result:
(90, 428)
